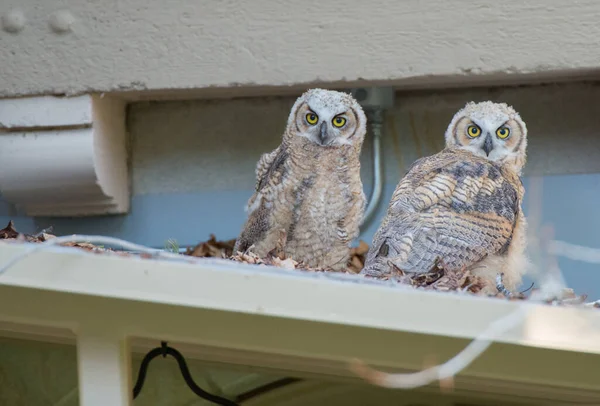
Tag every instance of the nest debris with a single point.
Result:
(436, 279)
(224, 249)
(10, 233)
(212, 248)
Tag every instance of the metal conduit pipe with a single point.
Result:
(375, 120)
(375, 101)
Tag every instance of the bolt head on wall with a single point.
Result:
(61, 21)
(13, 21)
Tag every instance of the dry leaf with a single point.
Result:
(9, 231)
(212, 248)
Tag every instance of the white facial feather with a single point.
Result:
(327, 104)
(489, 116)
(488, 124)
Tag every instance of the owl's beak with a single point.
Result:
(488, 145)
(323, 133)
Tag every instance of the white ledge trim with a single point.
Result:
(291, 321)
(64, 156)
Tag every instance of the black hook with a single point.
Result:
(165, 350)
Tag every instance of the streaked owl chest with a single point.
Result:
(326, 192)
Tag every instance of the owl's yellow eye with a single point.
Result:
(502, 132)
(339, 121)
(312, 118)
(473, 131)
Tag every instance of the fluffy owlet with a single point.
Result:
(310, 186)
(461, 206)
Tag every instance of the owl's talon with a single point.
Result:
(500, 286)
(249, 249)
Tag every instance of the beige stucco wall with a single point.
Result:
(153, 45)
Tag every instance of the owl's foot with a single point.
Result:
(436, 272)
(248, 250)
(507, 293)
(395, 269)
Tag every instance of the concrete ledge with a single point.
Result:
(147, 46)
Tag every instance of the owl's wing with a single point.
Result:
(269, 167)
(449, 208)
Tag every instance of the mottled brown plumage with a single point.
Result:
(310, 186)
(461, 206)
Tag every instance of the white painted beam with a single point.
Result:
(75, 47)
(297, 323)
(104, 367)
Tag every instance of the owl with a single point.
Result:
(309, 188)
(461, 208)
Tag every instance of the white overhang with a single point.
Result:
(301, 324)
